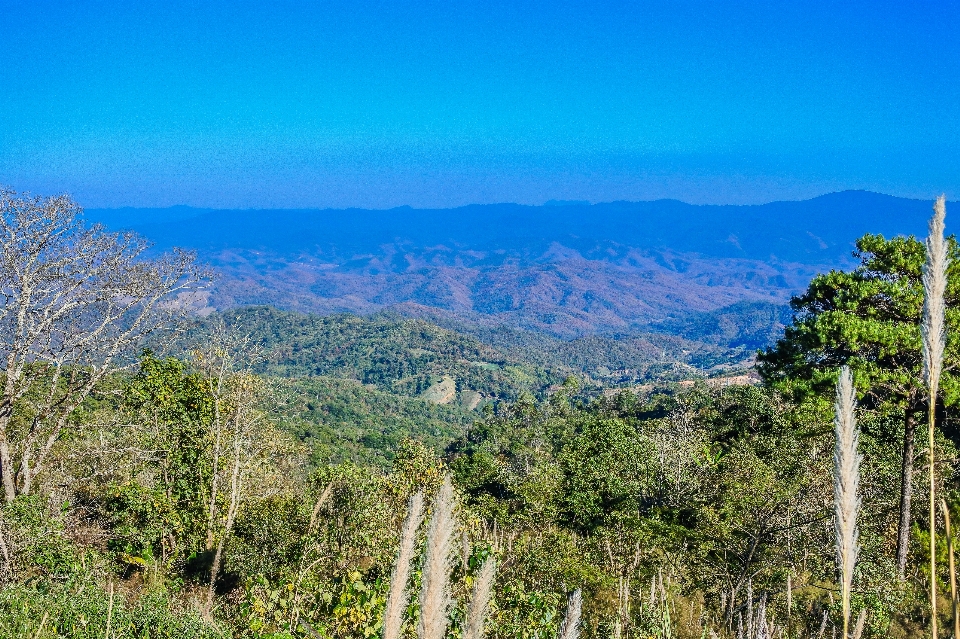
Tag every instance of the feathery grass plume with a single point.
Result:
(399, 595)
(823, 625)
(861, 622)
(435, 600)
(571, 622)
(846, 485)
(933, 331)
(482, 592)
(762, 629)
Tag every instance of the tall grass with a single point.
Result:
(861, 623)
(846, 486)
(571, 622)
(399, 595)
(482, 591)
(933, 332)
(953, 568)
(435, 599)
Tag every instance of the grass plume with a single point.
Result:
(846, 487)
(482, 592)
(571, 621)
(399, 595)
(933, 333)
(435, 600)
(861, 624)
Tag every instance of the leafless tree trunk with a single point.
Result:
(5, 551)
(216, 391)
(235, 486)
(219, 359)
(214, 481)
(242, 393)
(74, 301)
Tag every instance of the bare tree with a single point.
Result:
(244, 425)
(240, 430)
(75, 302)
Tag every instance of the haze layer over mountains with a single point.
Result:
(564, 269)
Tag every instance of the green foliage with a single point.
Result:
(39, 545)
(705, 487)
(406, 357)
(868, 319)
(604, 473)
(358, 530)
(718, 485)
(665, 508)
(179, 406)
(143, 521)
(79, 608)
(394, 355)
(270, 535)
(350, 608)
(342, 420)
(415, 467)
(60, 588)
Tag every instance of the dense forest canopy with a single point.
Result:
(259, 473)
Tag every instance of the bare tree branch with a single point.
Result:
(75, 303)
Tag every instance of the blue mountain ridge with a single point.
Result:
(571, 269)
(816, 231)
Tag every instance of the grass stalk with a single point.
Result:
(571, 621)
(435, 600)
(106, 634)
(789, 605)
(953, 569)
(861, 623)
(846, 485)
(43, 622)
(933, 333)
(479, 602)
(399, 595)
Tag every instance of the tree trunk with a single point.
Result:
(24, 475)
(231, 514)
(215, 474)
(6, 470)
(906, 490)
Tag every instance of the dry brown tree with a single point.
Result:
(76, 302)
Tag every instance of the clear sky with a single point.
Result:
(379, 104)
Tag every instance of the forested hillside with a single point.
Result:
(406, 357)
(266, 474)
(355, 386)
(343, 421)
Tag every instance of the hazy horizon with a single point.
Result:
(547, 203)
(432, 105)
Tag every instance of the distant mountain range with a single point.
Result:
(565, 268)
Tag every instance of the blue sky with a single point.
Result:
(379, 104)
